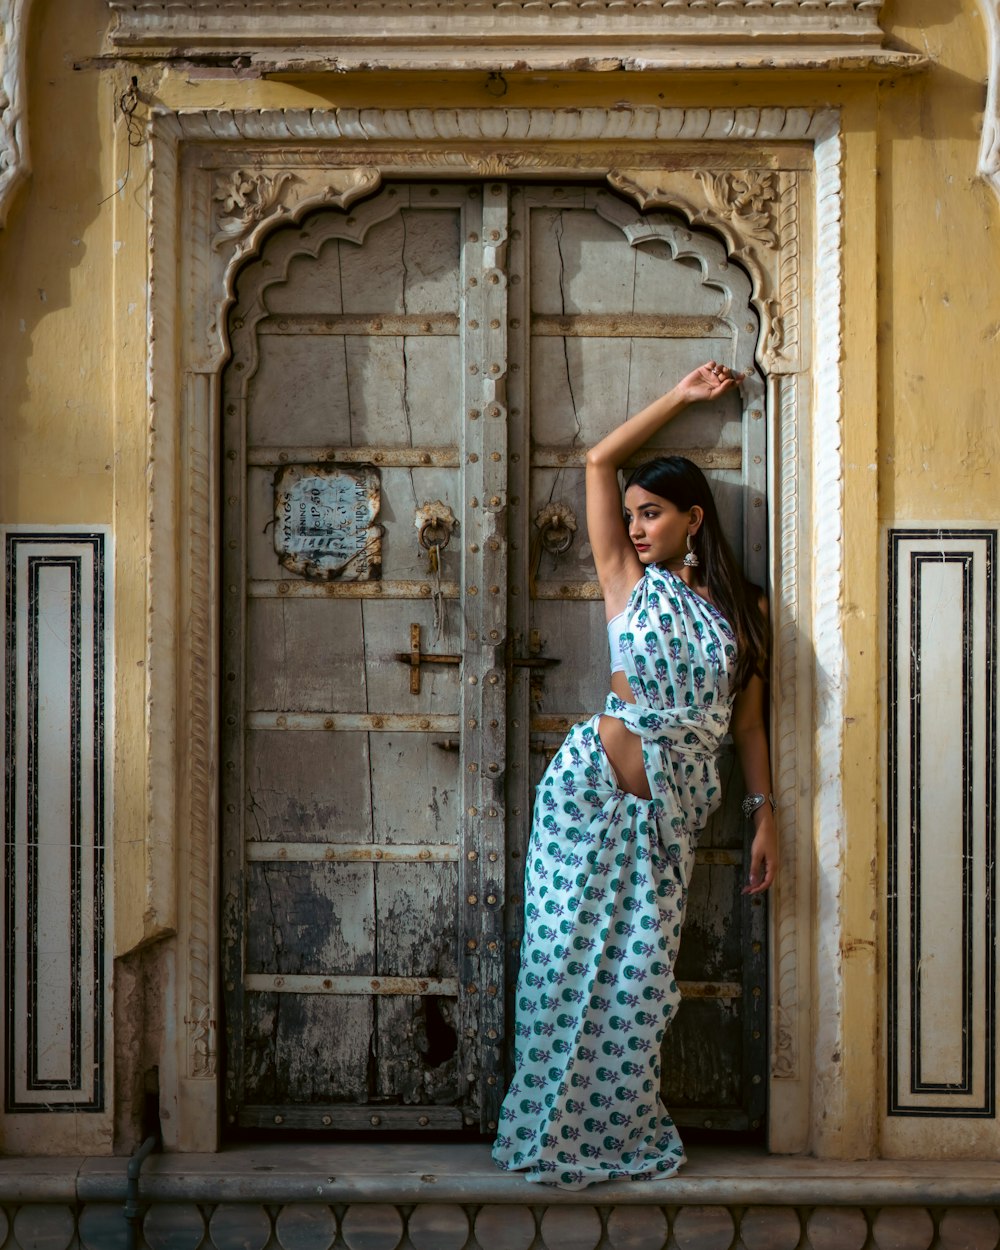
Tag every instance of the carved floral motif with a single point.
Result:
(247, 199)
(747, 200)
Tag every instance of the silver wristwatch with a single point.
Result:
(753, 801)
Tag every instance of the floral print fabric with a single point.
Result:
(606, 881)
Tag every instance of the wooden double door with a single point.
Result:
(410, 623)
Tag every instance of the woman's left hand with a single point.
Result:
(763, 855)
(708, 381)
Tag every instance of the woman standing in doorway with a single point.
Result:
(618, 812)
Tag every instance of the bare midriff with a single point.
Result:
(623, 747)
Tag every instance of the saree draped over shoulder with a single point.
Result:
(606, 881)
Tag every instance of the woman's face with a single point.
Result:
(657, 527)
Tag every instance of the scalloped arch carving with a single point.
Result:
(745, 209)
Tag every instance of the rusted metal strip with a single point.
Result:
(567, 590)
(390, 324)
(336, 1116)
(415, 657)
(301, 983)
(629, 326)
(358, 722)
(340, 852)
(384, 457)
(710, 989)
(263, 589)
(718, 857)
(557, 724)
(703, 457)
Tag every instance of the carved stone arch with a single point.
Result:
(251, 205)
(296, 243)
(755, 212)
(678, 233)
(197, 245)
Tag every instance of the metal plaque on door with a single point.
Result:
(324, 522)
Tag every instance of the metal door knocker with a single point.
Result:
(435, 523)
(556, 524)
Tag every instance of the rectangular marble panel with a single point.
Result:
(56, 794)
(942, 792)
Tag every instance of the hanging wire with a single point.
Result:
(128, 102)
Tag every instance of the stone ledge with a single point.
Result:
(463, 1173)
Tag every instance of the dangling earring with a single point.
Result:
(691, 560)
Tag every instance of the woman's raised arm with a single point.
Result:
(618, 566)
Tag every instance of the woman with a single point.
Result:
(618, 813)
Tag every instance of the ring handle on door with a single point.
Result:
(556, 524)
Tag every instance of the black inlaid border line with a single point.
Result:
(88, 1082)
(986, 541)
(964, 559)
(36, 565)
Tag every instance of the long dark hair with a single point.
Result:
(680, 481)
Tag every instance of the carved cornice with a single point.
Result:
(15, 159)
(596, 35)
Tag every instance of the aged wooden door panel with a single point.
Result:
(614, 307)
(356, 683)
(410, 624)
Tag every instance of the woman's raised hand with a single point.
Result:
(708, 382)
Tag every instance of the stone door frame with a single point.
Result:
(769, 182)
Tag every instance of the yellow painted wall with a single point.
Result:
(921, 333)
(939, 301)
